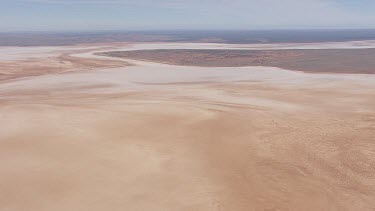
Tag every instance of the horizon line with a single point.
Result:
(174, 30)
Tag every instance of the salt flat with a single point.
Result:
(100, 133)
(272, 46)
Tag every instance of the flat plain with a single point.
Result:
(83, 131)
(316, 60)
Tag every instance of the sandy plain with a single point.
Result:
(86, 132)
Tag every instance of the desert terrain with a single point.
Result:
(82, 130)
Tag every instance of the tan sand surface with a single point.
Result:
(122, 135)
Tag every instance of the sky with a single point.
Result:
(93, 15)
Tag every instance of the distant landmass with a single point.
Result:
(210, 36)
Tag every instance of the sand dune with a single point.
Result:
(114, 134)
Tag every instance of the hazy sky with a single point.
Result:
(47, 15)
